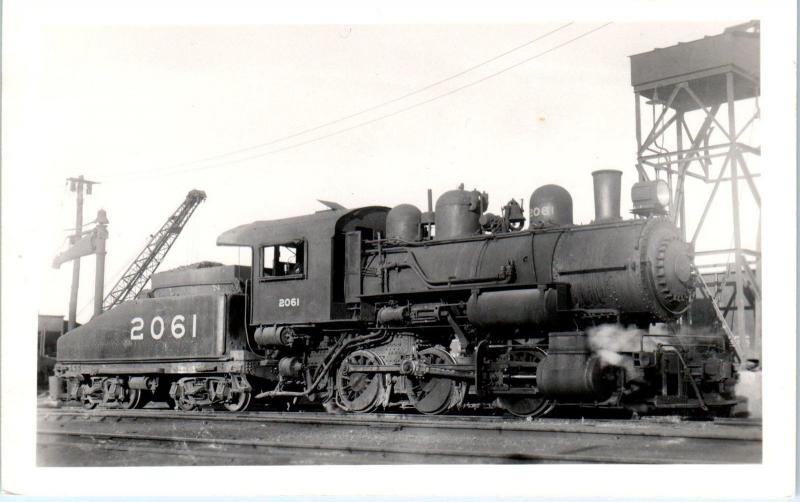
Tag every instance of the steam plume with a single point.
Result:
(608, 340)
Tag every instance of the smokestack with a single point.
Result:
(607, 187)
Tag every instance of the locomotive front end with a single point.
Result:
(641, 268)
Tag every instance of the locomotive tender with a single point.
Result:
(375, 308)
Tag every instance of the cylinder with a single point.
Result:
(607, 188)
(404, 223)
(569, 342)
(513, 308)
(575, 377)
(279, 336)
(143, 383)
(550, 205)
(457, 214)
(290, 367)
(571, 372)
(393, 315)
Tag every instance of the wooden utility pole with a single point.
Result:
(77, 185)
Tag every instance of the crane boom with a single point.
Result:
(144, 266)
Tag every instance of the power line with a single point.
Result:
(396, 112)
(363, 111)
(408, 108)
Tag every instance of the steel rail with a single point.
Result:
(747, 431)
(569, 457)
(164, 450)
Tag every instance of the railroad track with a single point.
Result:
(166, 437)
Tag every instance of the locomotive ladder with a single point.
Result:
(144, 266)
(707, 291)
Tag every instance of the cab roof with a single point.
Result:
(320, 225)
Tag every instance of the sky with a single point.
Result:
(138, 107)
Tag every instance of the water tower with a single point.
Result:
(696, 117)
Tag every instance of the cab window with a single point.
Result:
(283, 260)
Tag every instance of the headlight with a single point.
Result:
(650, 198)
(662, 193)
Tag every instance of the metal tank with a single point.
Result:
(458, 213)
(150, 332)
(640, 266)
(550, 205)
(404, 223)
(640, 269)
(571, 371)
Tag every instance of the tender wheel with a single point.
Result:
(240, 394)
(241, 402)
(133, 399)
(182, 401)
(433, 395)
(360, 392)
(526, 406)
(85, 397)
(184, 404)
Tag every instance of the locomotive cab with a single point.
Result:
(297, 263)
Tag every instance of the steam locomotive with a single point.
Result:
(450, 309)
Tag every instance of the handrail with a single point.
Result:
(731, 339)
(504, 277)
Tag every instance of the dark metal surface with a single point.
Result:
(311, 295)
(703, 62)
(278, 336)
(622, 267)
(322, 224)
(457, 214)
(607, 186)
(198, 280)
(335, 312)
(184, 327)
(570, 372)
(450, 264)
(638, 267)
(512, 308)
(550, 205)
(404, 222)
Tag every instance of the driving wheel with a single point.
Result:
(527, 405)
(360, 391)
(433, 395)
